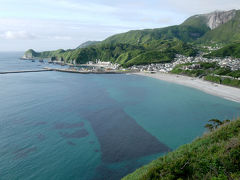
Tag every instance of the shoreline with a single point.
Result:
(88, 72)
(223, 91)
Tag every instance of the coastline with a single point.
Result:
(226, 92)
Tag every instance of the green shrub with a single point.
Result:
(216, 155)
(214, 79)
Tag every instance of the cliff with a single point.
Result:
(217, 18)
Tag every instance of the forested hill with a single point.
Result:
(124, 54)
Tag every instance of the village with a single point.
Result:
(233, 64)
(101, 66)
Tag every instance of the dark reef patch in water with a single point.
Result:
(71, 143)
(121, 138)
(76, 134)
(23, 152)
(64, 125)
(41, 137)
(41, 123)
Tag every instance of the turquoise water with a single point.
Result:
(70, 126)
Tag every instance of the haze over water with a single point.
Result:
(72, 126)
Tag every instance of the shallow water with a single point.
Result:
(72, 126)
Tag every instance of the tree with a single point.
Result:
(215, 123)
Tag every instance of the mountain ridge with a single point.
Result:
(225, 33)
(87, 43)
(217, 26)
(216, 18)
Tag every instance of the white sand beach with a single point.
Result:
(223, 91)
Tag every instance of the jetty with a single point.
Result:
(24, 71)
(68, 71)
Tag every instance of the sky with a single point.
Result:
(54, 24)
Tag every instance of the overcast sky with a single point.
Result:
(53, 24)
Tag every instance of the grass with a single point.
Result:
(215, 156)
(223, 80)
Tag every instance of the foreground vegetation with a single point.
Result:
(223, 80)
(215, 156)
(210, 72)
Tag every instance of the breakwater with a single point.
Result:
(24, 71)
(67, 70)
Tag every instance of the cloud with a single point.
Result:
(201, 6)
(85, 6)
(53, 24)
(67, 38)
(24, 35)
(17, 35)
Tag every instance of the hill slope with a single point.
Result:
(190, 30)
(183, 32)
(232, 50)
(215, 156)
(88, 43)
(124, 54)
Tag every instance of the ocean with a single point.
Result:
(65, 126)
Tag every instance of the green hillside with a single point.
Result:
(214, 156)
(183, 32)
(87, 44)
(31, 53)
(197, 21)
(190, 30)
(124, 54)
(232, 50)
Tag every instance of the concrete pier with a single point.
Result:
(25, 71)
(68, 71)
